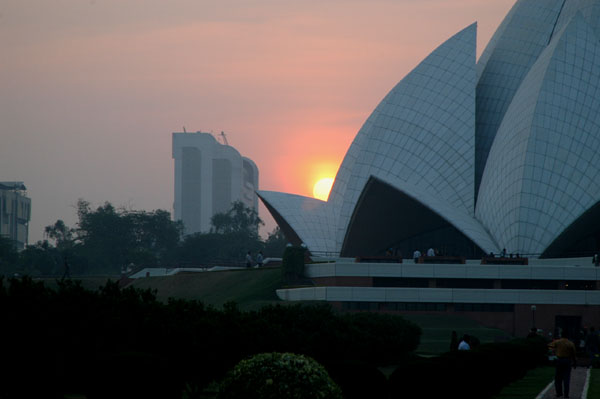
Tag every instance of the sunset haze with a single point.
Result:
(92, 90)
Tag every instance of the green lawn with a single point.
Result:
(594, 388)
(437, 331)
(529, 386)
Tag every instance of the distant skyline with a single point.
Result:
(92, 90)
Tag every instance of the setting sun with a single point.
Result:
(322, 188)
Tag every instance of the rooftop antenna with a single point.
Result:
(224, 137)
(185, 131)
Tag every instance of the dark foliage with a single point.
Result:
(275, 244)
(8, 255)
(108, 239)
(239, 219)
(124, 343)
(224, 248)
(358, 380)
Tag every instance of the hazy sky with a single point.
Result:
(91, 90)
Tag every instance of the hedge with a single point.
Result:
(70, 339)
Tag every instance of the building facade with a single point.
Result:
(209, 177)
(550, 294)
(15, 213)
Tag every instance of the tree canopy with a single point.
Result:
(239, 219)
(106, 238)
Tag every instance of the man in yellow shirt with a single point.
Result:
(566, 353)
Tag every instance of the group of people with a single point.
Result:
(250, 261)
(503, 254)
(430, 252)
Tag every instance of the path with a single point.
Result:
(579, 378)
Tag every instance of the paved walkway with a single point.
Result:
(579, 378)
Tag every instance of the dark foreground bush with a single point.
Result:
(479, 373)
(276, 376)
(72, 340)
(358, 381)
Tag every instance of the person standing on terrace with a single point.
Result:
(416, 255)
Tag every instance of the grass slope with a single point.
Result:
(250, 288)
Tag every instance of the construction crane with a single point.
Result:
(224, 138)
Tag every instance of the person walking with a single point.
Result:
(566, 354)
(259, 259)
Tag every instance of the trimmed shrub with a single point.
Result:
(278, 375)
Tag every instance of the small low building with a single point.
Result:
(15, 212)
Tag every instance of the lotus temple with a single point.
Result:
(475, 157)
(472, 157)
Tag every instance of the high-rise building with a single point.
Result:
(15, 212)
(209, 177)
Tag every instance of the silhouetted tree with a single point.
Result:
(8, 255)
(40, 258)
(239, 219)
(275, 243)
(61, 234)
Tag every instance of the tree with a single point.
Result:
(275, 243)
(41, 258)
(155, 233)
(239, 219)
(232, 235)
(107, 238)
(118, 237)
(8, 255)
(61, 234)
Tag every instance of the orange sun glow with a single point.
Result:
(322, 188)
